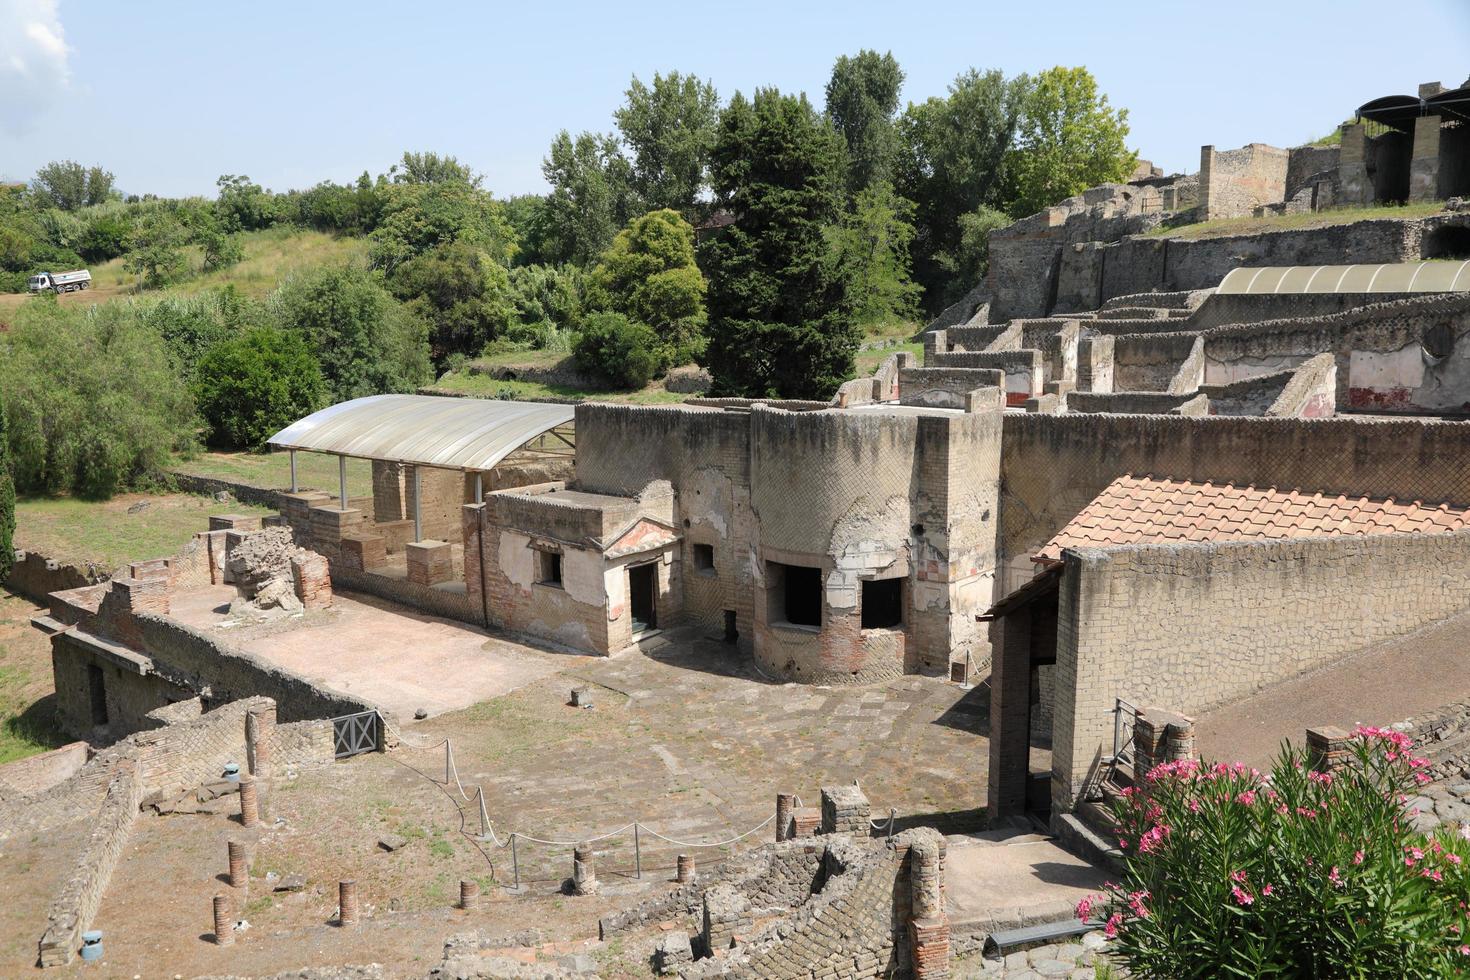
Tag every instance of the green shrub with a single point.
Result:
(1304, 874)
(93, 401)
(624, 351)
(7, 504)
(256, 383)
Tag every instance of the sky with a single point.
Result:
(168, 96)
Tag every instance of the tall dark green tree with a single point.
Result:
(780, 316)
(862, 100)
(7, 503)
(670, 128)
(69, 185)
(951, 164)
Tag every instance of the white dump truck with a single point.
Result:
(61, 282)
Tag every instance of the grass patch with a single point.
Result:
(483, 386)
(111, 533)
(869, 360)
(27, 688)
(272, 471)
(1221, 227)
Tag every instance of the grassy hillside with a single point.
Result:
(270, 256)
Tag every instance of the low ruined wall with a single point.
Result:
(1024, 369)
(73, 908)
(1194, 626)
(187, 656)
(1234, 183)
(1053, 465)
(1379, 351)
(243, 492)
(35, 576)
(1156, 362)
(38, 773)
(1137, 403)
(1246, 308)
(461, 606)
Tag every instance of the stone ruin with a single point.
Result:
(274, 577)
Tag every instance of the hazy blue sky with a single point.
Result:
(170, 95)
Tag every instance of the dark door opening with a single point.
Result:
(97, 693)
(732, 632)
(642, 596)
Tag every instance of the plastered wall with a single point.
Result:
(1197, 625)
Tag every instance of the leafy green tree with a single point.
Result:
(649, 275)
(461, 291)
(366, 341)
(951, 163)
(670, 128)
(873, 243)
(92, 399)
(156, 250)
(431, 168)
(1069, 139)
(68, 185)
(105, 232)
(7, 503)
(591, 197)
(253, 384)
(862, 100)
(780, 316)
(972, 257)
(417, 217)
(624, 351)
(244, 206)
(548, 297)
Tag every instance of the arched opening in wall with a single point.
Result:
(1449, 242)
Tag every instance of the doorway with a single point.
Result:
(642, 596)
(97, 694)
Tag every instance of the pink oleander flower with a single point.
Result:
(1452, 858)
(1242, 897)
(1335, 877)
(1322, 778)
(1463, 950)
(1246, 798)
(1084, 908)
(1152, 839)
(1433, 874)
(1465, 831)
(1135, 902)
(1111, 928)
(1357, 857)
(1268, 889)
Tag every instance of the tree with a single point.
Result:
(649, 275)
(780, 318)
(862, 99)
(1070, 139)
(242, 205)
(7, 503)
(463, 294)
(156, 250)
(670, 128)
(255, 383)
(417, 217)
(873, 242)
(366, 341)
(68, 185)
(624, 351)
(431, 168)
(591, 197)
(951, 163)
(92, 400)
(972, 257)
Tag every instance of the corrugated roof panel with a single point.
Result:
(455, 433)
(1431, 276)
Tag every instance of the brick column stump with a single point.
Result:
(685, 873)
(785, 803)
(1328, 748)
(224, 926)
(469, 894)
(239, 875)
(347, 904)
(249, 802)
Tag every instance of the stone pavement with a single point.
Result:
(1076, 960)
(998, 876)
(686, 738)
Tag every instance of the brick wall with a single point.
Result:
(1157, 362)
(35, 576)
(1053, 465)
(1193, 626)
(1234, 183)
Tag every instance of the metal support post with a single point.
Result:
(418, 496)
(515, 861)
(479, 489)
(293, 470)
(637, 852)
(342, 480)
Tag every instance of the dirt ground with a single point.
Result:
(685, 738)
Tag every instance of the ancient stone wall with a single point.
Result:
(1053, 465)
(1409, 355)
(1235, 183)
(35, 576)
(1193, 626)
(1137, 403)
(1167, 362)
(37, 773)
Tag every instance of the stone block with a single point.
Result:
(364, 550)
(396, 534)
(234, 522)
(429, 562)
(845, 810)
(805, 820)
(311, 580)
(726, 914)
(673, 951)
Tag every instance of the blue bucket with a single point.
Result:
(92, 945)
(232, 771)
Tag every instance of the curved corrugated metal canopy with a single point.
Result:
(1408, 277)
(455, 433)
(1453, 104)
(1398, 111)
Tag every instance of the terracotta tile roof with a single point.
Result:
(1143, 509)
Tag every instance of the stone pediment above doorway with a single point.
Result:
(644, 534)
